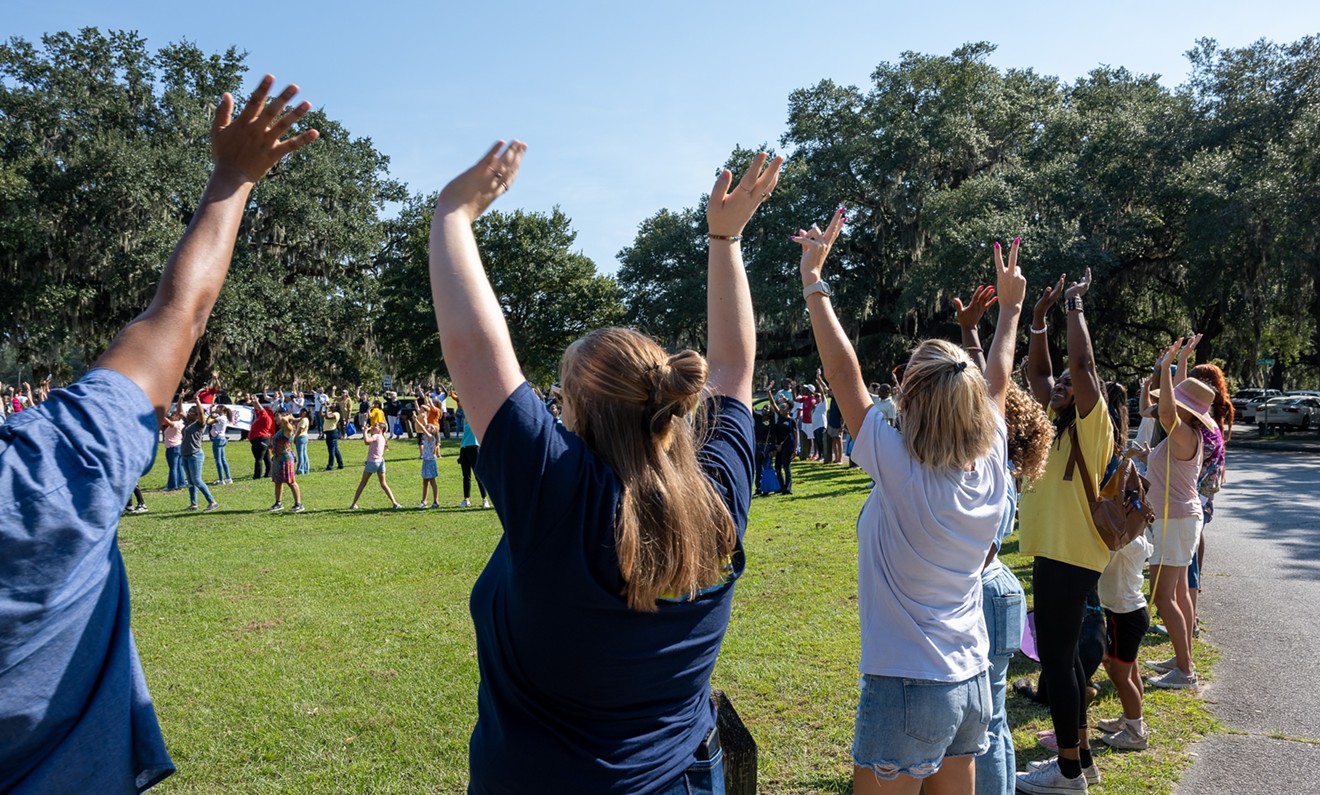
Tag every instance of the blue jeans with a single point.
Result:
(304, 464)
(332, 448)
(1005, 609)
(174, 467)
(192, 468)
(702, 778)
(221, 463)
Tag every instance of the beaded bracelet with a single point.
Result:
(1042, 330)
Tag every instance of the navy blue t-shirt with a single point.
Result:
(578, 692)
(75, 714)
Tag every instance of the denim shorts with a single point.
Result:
(374, 466)
(908, 726)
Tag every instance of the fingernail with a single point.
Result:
(996, 244)
(1016, 240)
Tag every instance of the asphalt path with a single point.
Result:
(1260, 598)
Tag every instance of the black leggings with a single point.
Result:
(260, 456)
(784, 466)
(1060, 595)
(467, 458)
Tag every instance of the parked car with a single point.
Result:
(1289, 412)
(1246, 398)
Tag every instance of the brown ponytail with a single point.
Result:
(633, 405)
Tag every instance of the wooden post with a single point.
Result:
(739, 748)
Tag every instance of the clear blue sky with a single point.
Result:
(630, 107)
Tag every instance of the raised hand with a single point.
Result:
(1192, 342)
(1048, 299)
(970, 314)
(471, 192)
(1012, 284)
(1078, 289)
(1170, 354)
(728, 212)
(816, 244)
(250, 144)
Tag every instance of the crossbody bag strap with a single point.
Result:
(1081, 462)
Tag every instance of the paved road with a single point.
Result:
(1261, 599)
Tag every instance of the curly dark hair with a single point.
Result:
(1222, 409)
(1030, 433)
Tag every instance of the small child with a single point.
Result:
(1126, 622)
(283, 470)
(428, 436)
(377, 443)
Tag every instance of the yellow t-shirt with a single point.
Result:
(1054, 516)
(375, 415)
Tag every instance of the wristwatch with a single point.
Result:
(822, 287)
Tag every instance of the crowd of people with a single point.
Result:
(625, 493)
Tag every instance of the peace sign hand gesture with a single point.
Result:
(728, 212)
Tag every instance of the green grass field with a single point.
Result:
(332, 651)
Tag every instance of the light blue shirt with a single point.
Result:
(75, 714)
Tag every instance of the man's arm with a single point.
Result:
(153, 349)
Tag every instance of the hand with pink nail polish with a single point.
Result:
(816, 244)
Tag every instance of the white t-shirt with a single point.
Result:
(922, 539)
(887, 407)
(1121, 582)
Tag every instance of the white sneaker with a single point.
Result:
(1045, 777)
(1091, 774)
(485, 503)
(1173, 680)
(422, 505)
(279, 506)
(466, 503)
(1111, 725)
(1163, 666)
(298, 507)
(1128, 739)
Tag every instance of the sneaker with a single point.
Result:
(1163, 666)
(1045, 777)
(279, 506)
(421, 505)
(212, 506)
(435, 505)
(298, 507)
(1091, 775)
(466, 503)
(140, 509)
(397, 506)
(192, 507)
(1129, 739)
(353, 507)
(1159, 629)
(485, 503)
(1111, 725)
(1173, 680)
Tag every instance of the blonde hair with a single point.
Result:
(948, 420)
(1030, 433)
(632, 405)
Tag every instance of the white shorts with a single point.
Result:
(1176, 546)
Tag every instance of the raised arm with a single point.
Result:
(1086, 384)
(153, 348)
(969, 317)
(1012, 287)
(730, 325)
(1183, 356)
(1040, 370)
(474, 337)
(837, 357)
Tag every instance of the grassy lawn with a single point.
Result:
(332, 651)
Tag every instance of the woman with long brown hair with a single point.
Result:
(601, 611)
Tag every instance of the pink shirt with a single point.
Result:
(1184, 500)
(173, 433)
(376, 449)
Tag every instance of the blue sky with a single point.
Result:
(630, 107)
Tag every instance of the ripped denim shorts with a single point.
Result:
(908, 726)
